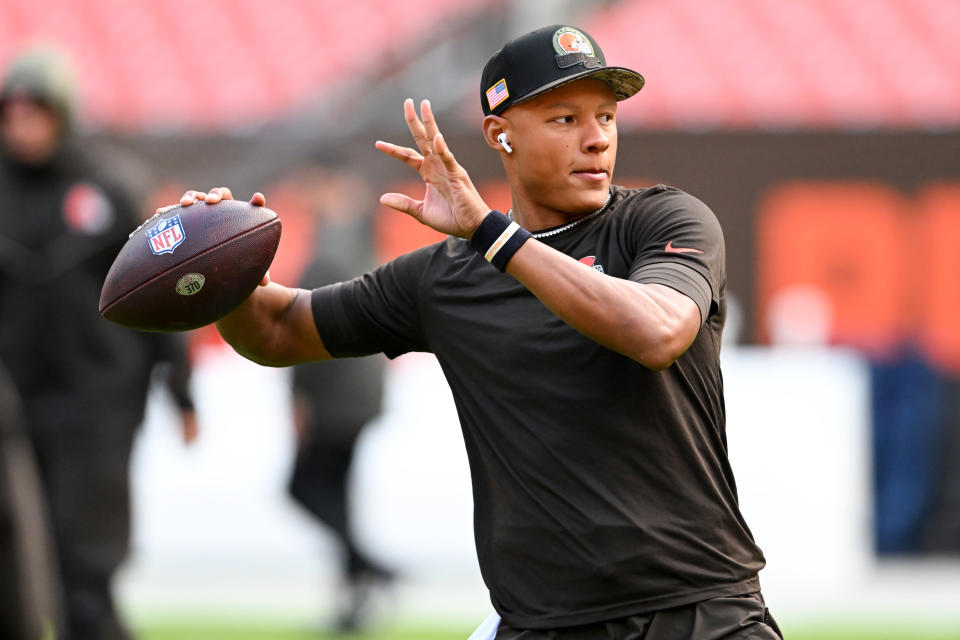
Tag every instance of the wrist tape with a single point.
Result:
(497, 238)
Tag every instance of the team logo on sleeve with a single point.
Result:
(591, 261)
(166, 236)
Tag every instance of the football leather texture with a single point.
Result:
(190, 266)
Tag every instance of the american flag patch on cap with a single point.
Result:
(497, 93)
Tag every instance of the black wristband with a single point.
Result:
(497, 238)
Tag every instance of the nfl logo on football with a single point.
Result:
(166, 236)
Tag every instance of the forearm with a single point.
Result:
(649, 323)
(274, 327)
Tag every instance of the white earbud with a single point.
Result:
(502, 139)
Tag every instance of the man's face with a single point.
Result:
(30, 132)
(565, 146)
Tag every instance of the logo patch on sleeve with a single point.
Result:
(497, 93)
(166, 236)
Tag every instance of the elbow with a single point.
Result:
(659, 359)
(659, 363)
(661, 348)
(263, 359)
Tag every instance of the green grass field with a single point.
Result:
(220, 631)
(278, 631)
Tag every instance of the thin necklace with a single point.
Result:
(569, 225)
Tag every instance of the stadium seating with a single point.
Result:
(817, 63)
(173, 65)
(215, 64)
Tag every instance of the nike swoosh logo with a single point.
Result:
(672, 249)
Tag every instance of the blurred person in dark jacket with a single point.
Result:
(334, 401)
(82, 380)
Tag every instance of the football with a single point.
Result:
(190, 266)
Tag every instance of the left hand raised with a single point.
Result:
(451, 203)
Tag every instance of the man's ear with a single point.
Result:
(493, 128)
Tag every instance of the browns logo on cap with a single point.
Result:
(545, 59)
(569, 40)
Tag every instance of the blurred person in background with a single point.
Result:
(334, 401)
(82, 380)
(30, 606)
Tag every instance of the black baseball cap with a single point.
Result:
(545, 59)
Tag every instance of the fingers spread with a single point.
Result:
(416, 127)
(258, 200)
(404, 154)
(442, 150)
(403, 203)
(429, 122)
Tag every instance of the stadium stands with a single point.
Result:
(730, 64)
(176, 64)
(817, 63)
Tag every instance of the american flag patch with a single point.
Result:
(497, 93)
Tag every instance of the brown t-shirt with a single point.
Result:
(601, 488)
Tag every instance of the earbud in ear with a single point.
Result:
(502, 139)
